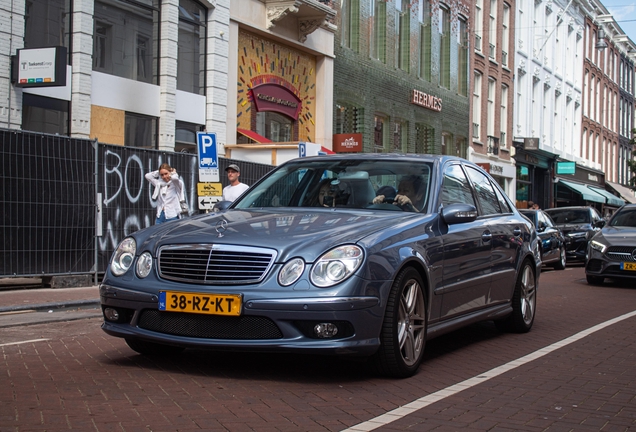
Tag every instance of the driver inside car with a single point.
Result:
(410, 194)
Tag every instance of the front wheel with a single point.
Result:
(403, 334)
(560, 264)
(524, 302)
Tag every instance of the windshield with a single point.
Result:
(625, 218)
(350, 183)
(569, 216)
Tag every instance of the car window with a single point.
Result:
(485, 192)
(570, 216)
(546, 219)
(455, 187)
(624, 218)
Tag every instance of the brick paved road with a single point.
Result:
(82, 379)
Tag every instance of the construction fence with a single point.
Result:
(66, 203)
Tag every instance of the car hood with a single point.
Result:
(574, 227)
(619, 235)
(291, 232)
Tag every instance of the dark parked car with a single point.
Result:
(311, 259)
(551, 238)
(612, 251)
(578, 224)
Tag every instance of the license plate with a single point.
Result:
(628, 266)
(211, 304)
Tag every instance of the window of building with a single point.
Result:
(444, 46)
(47, 23)
(479, 24)
(46, 115)
(477, 106)
(347, 118)
(140, 131)
(275, 126)
(424, 17)
(492, 30)
(503, 121)
(403, 33)
(186, 137)
(463, 62)
(505, 34)
(191, 54)
(399, 139)
(350, 24)
(378, 39)
(125, 42)
(490, 125)
(447, 144)
(380, 133)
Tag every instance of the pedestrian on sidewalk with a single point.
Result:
(235, 189)
(168, 192)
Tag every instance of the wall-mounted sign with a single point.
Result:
(347, 143)
(565, 167)
(274, 97)
(39, 67)
(531, 143)
(426, 100)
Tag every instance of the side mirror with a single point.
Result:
(599, 223)
(221, 206)
(459, 213)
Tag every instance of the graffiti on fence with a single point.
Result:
(127, 204)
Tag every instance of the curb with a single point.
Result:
(56, 305)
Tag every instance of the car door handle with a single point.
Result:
(517, 232)
(486, 236)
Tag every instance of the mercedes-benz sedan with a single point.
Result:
(361, 255)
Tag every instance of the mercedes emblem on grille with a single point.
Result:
(220, 227)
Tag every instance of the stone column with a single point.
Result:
(168, 73)
(217, 72)
(11, 39)
(82, 64)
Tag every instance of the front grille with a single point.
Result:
(209, 326)
(621, 253)
(215, 264)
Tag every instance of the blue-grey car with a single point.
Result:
(357, 254)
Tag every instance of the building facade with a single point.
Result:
(401, 76)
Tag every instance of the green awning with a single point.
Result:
(612, 199)
(587, 194)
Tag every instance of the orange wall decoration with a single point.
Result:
(263, 61)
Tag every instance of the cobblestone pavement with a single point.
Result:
(79, 378)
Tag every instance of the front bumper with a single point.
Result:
(600, 265)
(272, 325)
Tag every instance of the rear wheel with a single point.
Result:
(524, 302)
(403, 334)
(152, 348)
(560, 264)
(594, 280)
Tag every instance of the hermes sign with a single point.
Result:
(347, 143)
(426, 100)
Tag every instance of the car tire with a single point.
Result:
(560, 264)
(403, 333)
(594, 280)
(524, 302)
(152, 348)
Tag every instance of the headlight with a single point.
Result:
(577, 234)
(291, 271)
(597, 245)
(123, 256)
(336, 265)
(144, 265)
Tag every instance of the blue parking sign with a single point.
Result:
(206, 143)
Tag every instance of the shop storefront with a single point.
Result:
(534, 169)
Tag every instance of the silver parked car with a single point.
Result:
(361, 255)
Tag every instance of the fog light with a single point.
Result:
(325, 330)
(111, 314)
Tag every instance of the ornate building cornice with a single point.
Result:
(309, 15)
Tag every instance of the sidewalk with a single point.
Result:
(27, 306)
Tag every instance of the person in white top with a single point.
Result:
(235, 189)
(168, 190)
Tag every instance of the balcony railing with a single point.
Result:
(493, 145)
(492, 51)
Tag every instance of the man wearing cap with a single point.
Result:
(235, 188)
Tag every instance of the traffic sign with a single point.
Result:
(207, 202)
(209, 189)
(208, 157)
(302, 149)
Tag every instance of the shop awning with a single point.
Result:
(626, 193)
(587, 194)
(612, 200)
(254, 136)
